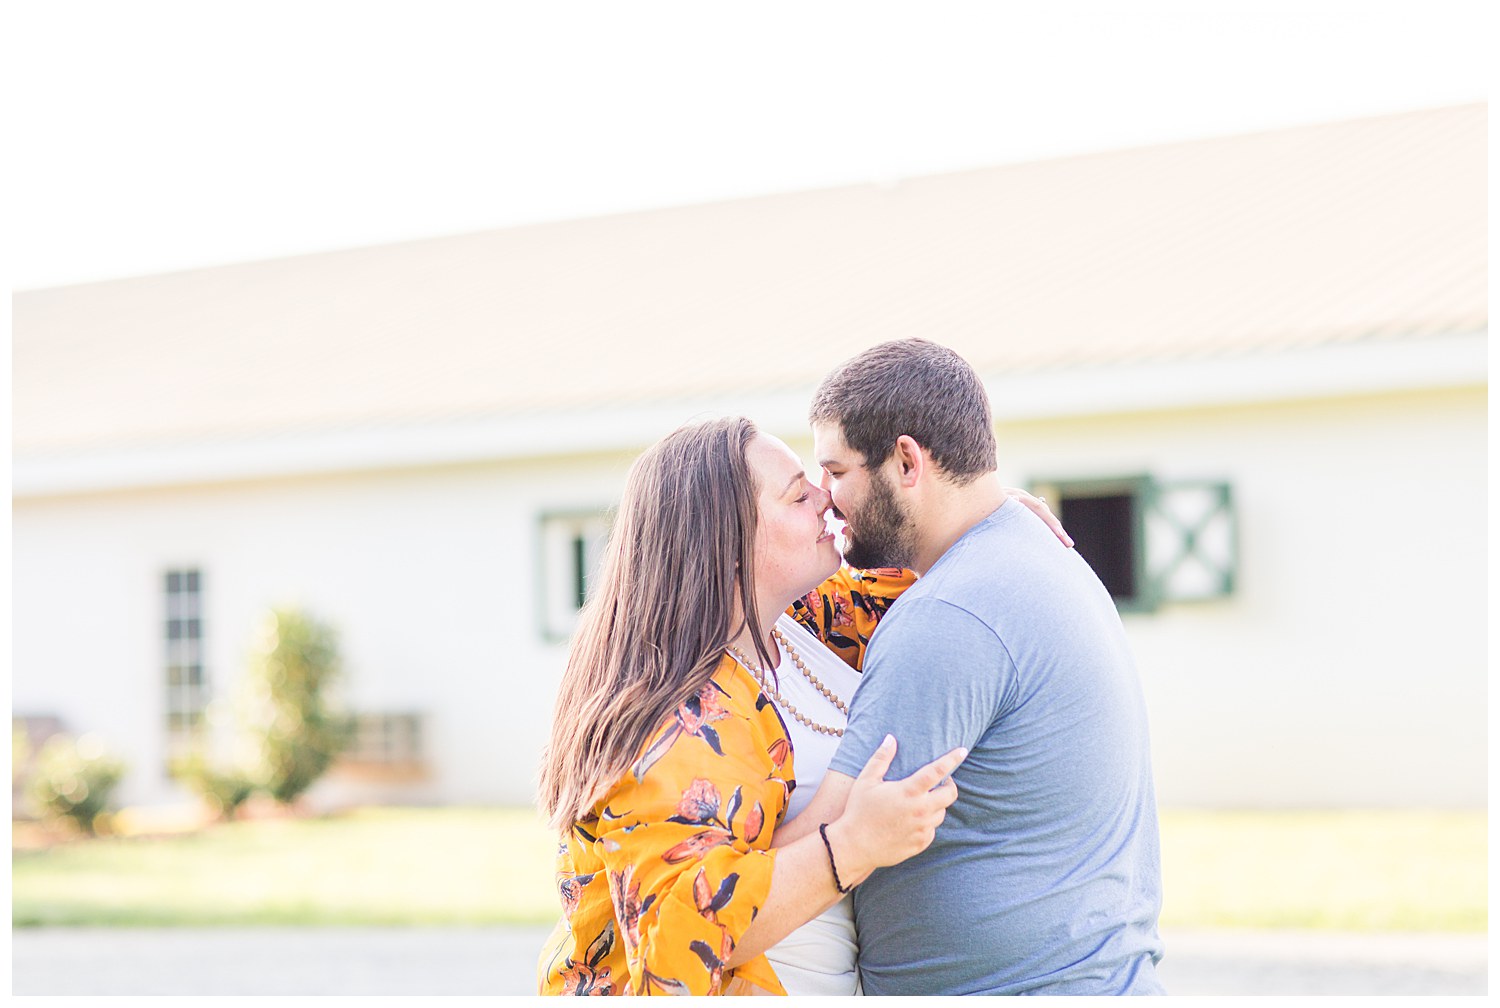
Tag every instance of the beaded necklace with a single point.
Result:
(766, 684)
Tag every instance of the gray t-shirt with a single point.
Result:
(1045, 877)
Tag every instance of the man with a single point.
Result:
(1045, 876)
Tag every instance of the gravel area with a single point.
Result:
(502, 960)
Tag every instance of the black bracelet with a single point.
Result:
(823, 832)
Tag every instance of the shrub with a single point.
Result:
(20, 752)
(73, 779)
(294, 661)
(223, 790)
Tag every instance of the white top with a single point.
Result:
(811, 751)
(820, 956)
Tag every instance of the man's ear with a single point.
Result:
(910, 461)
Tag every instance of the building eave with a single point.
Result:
(1180, 385)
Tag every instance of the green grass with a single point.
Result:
(368, 867)
(1362, 871)
(1344, 871)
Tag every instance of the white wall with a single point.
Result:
(1348, 668)
(428, 576)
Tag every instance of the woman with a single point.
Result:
(669, 766)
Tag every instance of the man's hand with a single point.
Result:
(886, 822)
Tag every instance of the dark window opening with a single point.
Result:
(580, 570)
(1104, 529)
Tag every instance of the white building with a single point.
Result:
(1283, 335)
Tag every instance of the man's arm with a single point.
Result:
(883, 822)
(935, 682)
(936, 678)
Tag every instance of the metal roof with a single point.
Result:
(1354, 232)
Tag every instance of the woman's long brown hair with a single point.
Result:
(680, 554)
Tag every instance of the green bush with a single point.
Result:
(20, 752)
(296, 736)
(73, 779)
(223, 790)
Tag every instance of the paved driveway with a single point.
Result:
(502, 961)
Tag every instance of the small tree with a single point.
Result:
(73, 779)
(20, 753)
(223, 789)
(294, 660)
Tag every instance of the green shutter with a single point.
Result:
(1191, 540)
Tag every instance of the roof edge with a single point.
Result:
(1307, 373)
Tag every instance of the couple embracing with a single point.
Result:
(757, 793)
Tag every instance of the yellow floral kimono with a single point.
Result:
(842, 612)
(660, 881)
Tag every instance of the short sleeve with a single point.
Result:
(936, 679)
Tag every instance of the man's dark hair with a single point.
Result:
(913, 387)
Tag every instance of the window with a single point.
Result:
(1150, 542)
(388, 740)
(187, 687)
(572, 545)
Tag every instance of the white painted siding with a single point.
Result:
(1346, 670)
(428, 575)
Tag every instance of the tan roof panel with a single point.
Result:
(1357, 231)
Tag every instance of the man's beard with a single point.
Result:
(882, 534)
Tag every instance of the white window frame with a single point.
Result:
(184, 673)
(570, 550)
(385, 739)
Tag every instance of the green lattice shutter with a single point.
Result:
(1191, 541)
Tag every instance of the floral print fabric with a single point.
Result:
(663, 878)
(670, 869)
(842, 612)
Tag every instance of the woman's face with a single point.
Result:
(794, 551)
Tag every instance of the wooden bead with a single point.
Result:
(764, 679)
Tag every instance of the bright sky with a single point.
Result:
(156, 136)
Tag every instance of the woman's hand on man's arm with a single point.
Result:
(881, 823)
